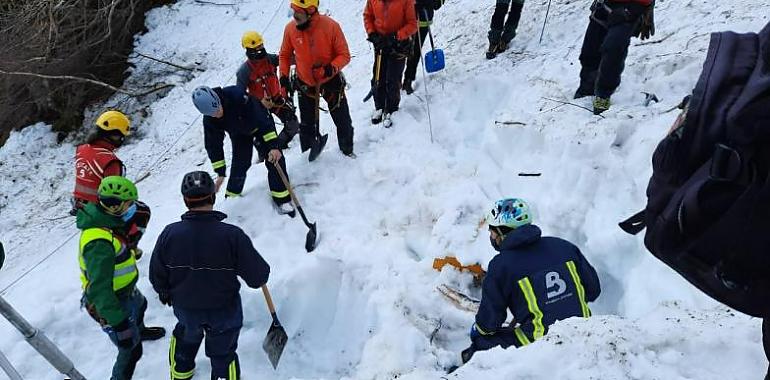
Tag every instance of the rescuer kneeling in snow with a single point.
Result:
(539, 279)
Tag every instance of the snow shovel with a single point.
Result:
(318, 147)
(434, 59)
(312, 235)
(276, 337)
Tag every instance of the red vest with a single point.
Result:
(263, 83)
(92, 163)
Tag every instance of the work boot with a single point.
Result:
(285, 208)
(492, 51)
(407, 87)
(502, 46)
(601, 105)
(582, 92)
(377, 117)
(152, 333)
(387, 122)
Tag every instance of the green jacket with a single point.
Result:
(99, 258)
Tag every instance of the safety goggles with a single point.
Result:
(115, 206)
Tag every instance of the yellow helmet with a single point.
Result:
(251, 40)
(305, 4)
(113, 121)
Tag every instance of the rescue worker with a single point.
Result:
(96, 159)
(502, 30)
(539, 279)
(424, 11)
(195, 268)
(108, 273)
(249, 125)
(318, 46)
(605, 46)
(389, 26)
(257, 76)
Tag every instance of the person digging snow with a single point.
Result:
(96, 160)
(605, 46)
(318, 67)
(502, 31)
(249, 125)
(108, 273)
(257, 76)
(389, 26)
(539, 279)
(424, 10)
(195, 268)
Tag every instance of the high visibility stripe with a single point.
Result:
(424, 24)
(80, 188)
(537, 320)
(231, 194)
(233, 375)
(177, 375)
(218, 164)
(124, 273)
(269, 136)
(521, 336)
(581, 291)
(280, 194)
(481, 331)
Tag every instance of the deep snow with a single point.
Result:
(364, 305)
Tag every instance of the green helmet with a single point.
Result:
(118, 187)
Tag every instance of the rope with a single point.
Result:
(139, 179)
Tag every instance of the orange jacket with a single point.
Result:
(390, 16)
(321, 43)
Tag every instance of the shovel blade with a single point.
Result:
(434, 60)
(317, 148)
(274, 343)
(312, 238)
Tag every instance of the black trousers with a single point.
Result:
(387, 90)
(242, 153)
(414, 58)
(499, 27)
(605, 46)
(333, 92)
(766, 342)
(286, 113)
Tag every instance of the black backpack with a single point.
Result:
(708, 207)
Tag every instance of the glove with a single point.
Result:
(165, 298)
(286, 84)
(379, 41)
(647, 23)
(325, 71)
(125, 333)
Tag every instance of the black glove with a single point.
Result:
(165, 298)
(329, 70)
(286, 83)
(647, 23)
(124, 332)
(378, 40)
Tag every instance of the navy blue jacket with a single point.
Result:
(244, 118)
(540, 279)
(198, 260)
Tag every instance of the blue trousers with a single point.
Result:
(135, 305)
(220, 328)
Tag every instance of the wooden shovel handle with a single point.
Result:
(268, 299)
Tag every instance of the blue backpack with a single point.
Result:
(708, 206)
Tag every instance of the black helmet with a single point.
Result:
(197, 184)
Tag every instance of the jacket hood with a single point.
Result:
(91, 216)
(524, 235)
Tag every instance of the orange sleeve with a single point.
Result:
(410, 26)
(369, 18)
(341, 51)
(286, 53)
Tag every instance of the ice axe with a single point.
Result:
(377, 66)
(312, 234)
(276, 338)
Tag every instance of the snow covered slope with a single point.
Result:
(364, 305)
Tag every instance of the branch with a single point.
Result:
(571, 104)
(212, 3)
(86, 80)
(167, 63)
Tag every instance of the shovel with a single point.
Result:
(312, 234)
(377, 66)
(434, 59)
(276, 337)
(318, 146)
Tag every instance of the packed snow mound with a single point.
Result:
(364, 304)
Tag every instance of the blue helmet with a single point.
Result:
(206, 101)
(510, 212)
